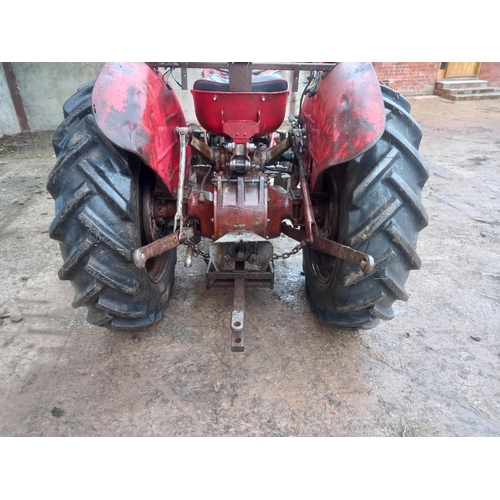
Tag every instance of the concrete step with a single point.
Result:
(469, 82)
(471, 97)
(466, 90)
(471, 90)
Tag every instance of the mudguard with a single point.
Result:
(344, 118)
(137, 112)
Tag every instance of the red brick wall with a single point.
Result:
(490, 71)
(409, 78)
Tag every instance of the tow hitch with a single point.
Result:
(240, 259)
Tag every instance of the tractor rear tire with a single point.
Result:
(374, 207)
(98, 191)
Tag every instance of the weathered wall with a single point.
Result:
(490, 71)
(9, 123)
(44, 87)
(409, 78)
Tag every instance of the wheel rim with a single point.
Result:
(156, 266)
(323, 265)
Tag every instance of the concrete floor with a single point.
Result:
(432, 371)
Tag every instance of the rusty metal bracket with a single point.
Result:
(317, 242)
(239, 278)
(295, 77)
(158, 247)
(202, 148)
(238, 317)
(240, 77)
(277, 150)
(298, 137)
(364, 261)
(184, 134)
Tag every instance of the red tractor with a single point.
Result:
(133, 181)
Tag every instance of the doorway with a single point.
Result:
(459, 70)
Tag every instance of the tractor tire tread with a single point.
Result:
(384, 215)
(97, 223)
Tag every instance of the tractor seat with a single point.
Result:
(269, 82)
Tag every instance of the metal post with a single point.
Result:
(16, 97)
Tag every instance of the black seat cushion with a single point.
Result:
(260, 83)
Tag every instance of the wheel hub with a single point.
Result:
(156, 266)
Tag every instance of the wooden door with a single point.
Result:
(462, 69)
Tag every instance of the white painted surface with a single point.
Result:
(9, 124)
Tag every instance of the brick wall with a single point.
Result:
(409, 78)
(490, 71)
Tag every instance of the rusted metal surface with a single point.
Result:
(184, 78)
(202, 212)
(203, 149)
(344, 118)
(317, 242)
(256, 65)
(296, 249)
(240, 162)
(183, 139)
(240, 204)
(137, 112)
(252, 278)
(221, 159)
(188, 261)
(280, 208)
(295, 79)
(154, 227)
(241, 246)
(292, 232)
(16, 96)
(310, 223)
(297, 137)
(365, 261)
(158, 247)
(238, 317)
(277, 150)
(191, 244)
(162, 210)
(240, 77)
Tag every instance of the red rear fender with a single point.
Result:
(137, 112)
(344, 118)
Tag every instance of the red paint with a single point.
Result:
(409, 78)
(202, 212)
(137, 112)
(344, 118)
(490, 71)
(240, 206)
(280, 208)
(238, 113)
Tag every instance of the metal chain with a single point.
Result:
(297, 249)
(197, 251)
(285, 255)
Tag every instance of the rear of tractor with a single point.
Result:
(133, 181)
